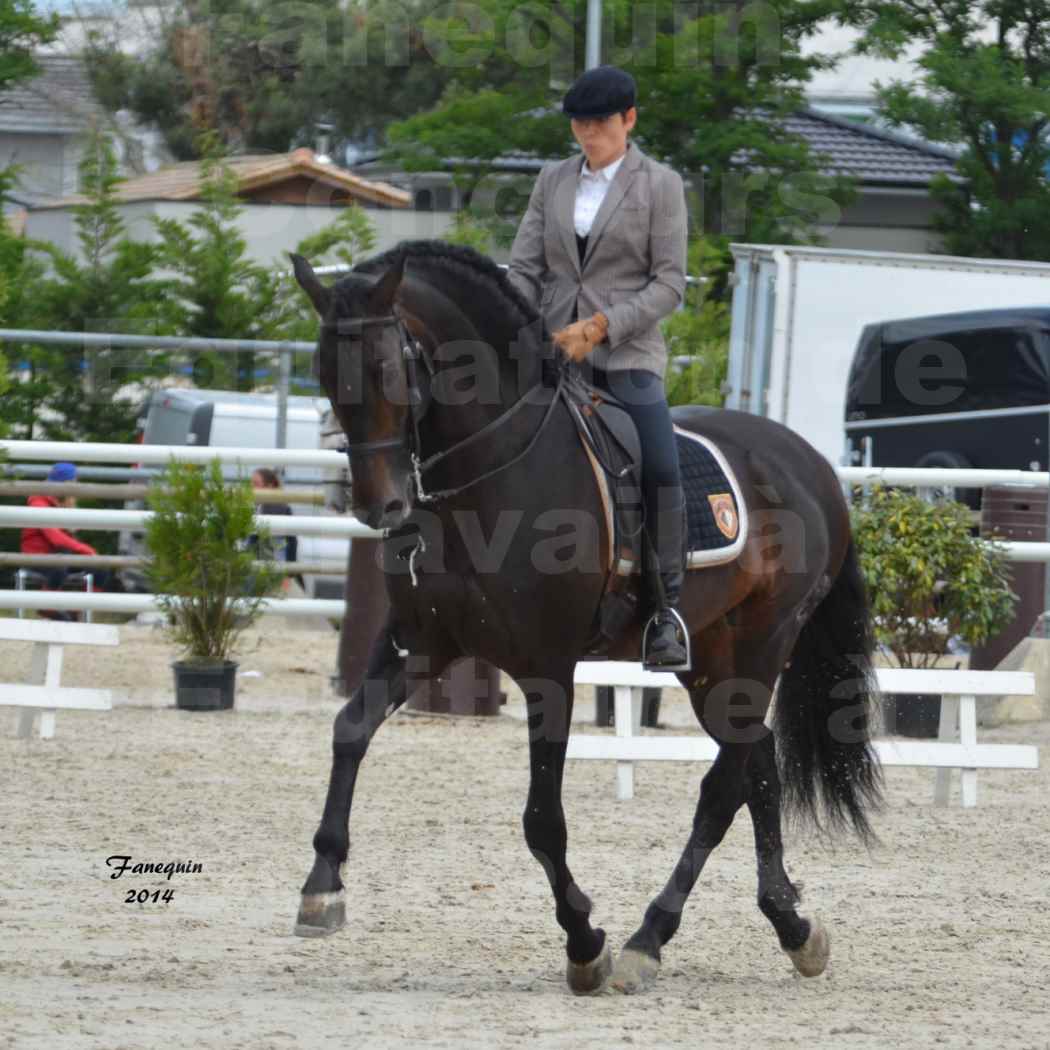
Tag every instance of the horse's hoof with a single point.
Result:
(321, 914)
(634, 972)
(811, 959)
(589, 978)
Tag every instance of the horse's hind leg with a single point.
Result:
(721, 795)
(550, 714)
(804, 940)
(736, 667)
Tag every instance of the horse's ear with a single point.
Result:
(320, 295)
(381, 295)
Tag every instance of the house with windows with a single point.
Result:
(42, 127)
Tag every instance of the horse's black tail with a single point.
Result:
(828, 769)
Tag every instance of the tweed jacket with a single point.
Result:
(633, 270)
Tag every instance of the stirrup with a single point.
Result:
(687, 665)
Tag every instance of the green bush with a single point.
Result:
(928, 578)
(200, 560)
(700, 330)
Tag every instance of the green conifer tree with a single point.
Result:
(107, 285)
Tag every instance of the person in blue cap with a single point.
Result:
(601, 253)
(53, 540)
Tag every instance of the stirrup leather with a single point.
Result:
(670, 668)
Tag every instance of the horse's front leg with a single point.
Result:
(550, 713)
(386, 686)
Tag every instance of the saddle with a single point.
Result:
(716, 513)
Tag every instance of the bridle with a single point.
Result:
(412, 352)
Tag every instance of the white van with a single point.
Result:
(227, 418)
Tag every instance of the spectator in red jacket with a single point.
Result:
(53, 540)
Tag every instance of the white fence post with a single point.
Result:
(947, 730)
(968, 739)
(626, 701)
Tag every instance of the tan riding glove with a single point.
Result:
(581, 337)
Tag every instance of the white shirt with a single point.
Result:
(591, 189)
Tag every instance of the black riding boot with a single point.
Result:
(666, 640)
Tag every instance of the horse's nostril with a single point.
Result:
(395, 506)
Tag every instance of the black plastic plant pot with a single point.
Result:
(204, 687)
(914, 715)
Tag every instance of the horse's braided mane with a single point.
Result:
(481, 271)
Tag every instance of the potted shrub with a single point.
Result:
(929, 580)
(200, 562)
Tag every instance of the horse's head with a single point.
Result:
(360, 364)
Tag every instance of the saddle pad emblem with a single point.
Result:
(724, 514)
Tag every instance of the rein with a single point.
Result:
(411, 352)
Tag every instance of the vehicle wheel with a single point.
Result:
(944, 460)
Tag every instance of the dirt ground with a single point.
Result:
(941, 936)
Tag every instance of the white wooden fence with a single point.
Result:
(44, 692)
(955, 748)
(50, 451)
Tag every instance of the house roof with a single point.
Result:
(184, 181)
(870, 155)
(59, 100)
(873, 156)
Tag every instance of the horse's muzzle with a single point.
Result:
(385, 516)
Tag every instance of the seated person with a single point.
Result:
(285, 547)
(53, 540)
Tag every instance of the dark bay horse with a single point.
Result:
(444, 381)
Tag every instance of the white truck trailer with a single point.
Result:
(798, 314)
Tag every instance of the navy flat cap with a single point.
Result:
(600, 92)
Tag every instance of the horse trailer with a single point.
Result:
(805, 319)
(955, 390)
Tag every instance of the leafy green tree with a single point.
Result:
(22, 32)
(714, 89)
(984, 85)
(261, 74)
(700, 331)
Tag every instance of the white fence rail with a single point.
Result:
(963, 478)
(955, 748)
(108, 520)
(98, 452)
(71, 601)
(341, 526)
